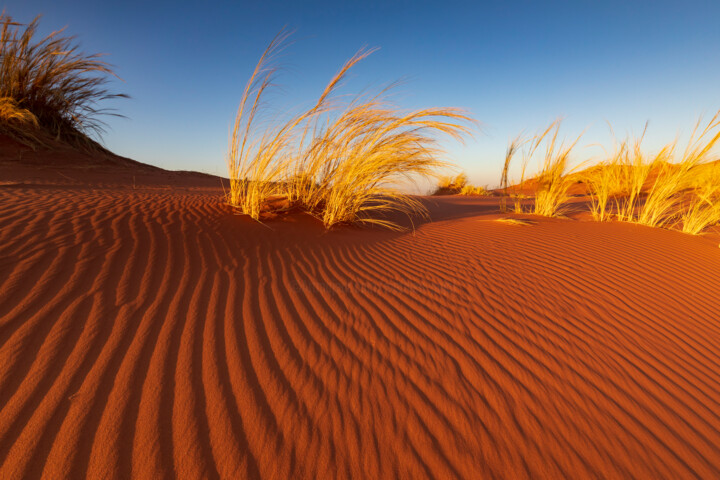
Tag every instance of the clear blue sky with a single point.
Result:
(515, 65)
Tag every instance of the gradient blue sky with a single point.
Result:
(515, 65)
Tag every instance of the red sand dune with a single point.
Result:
(152, 333)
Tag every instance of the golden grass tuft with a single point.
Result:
(470, 190)
(618, 182)
(513, 147)
(339, 162)
(451, 185)
(654, 190)
(552, 182)
(51, 80)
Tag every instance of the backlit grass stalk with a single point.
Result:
(54, 81)
(702, 212)
(527, 153)
(339, 162)
(512, 149)
(552, 183)
(474, 191)
(358, 156)
(664, 202)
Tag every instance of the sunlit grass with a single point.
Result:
(340, 162)
(470, 190)
(50, 84)
(657, 191)
(450, 185)
(552, 183)
(513, 147)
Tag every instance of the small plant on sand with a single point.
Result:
(512, 149)
(474, 191)
(527, 153)
(666, 199)
(337, 161)
(50, 85)
(618, 182)
(257, 165)
(17, 122)
(653, 190)
(449, 185)
(703, 210)
(552, 183)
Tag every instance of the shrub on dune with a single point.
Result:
(51, 80)
(338, 161)
(618, 182)
(527, 153)
(470, 190)
(17, 122)
(653, 190)
(449, 185)
(513, 146)
(552, 183)
(666, 199)
(369, 148)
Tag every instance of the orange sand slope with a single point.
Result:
(151, 333)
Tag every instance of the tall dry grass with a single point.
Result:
(703, 210)
(448, 184)
(472, 190)
(553, 181)
(51, 79)
(615, 185)
(665, 200)
(19, 123)
(657, 190)
(513, 147)
(256, 164)
(339, 161)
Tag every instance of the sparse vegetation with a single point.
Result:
(657, 192)
(458, 185)
(449, 185)
(474, 191)
(48, 88)
(337, 161)
(512, 149)
(552, 182)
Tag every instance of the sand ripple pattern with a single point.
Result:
(154, 334)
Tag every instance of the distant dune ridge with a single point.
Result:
(147, 331)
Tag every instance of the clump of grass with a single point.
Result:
(703, 210)
(664, 202)
(552, 183)
(527, 153)
(618, 182)
(451, 185)
(512, 149)
(339, 162)
(653, 190)
(370, 147)
(470, 190)
(53, 84)
(17, 122)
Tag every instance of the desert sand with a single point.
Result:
(148, 331)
